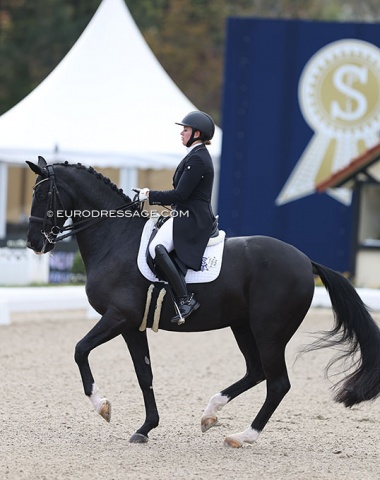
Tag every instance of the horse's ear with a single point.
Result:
(41, 162)
(37, 169)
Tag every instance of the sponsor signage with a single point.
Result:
(301, 100)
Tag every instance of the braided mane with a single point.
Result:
(99, 176)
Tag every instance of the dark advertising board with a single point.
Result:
(301, 100)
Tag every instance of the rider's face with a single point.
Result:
(186, 134)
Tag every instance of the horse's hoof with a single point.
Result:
(232, 442)
(105, 410)
(138, 438)
(207, 423)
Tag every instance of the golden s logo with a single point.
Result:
(356, 104)
(339, 96)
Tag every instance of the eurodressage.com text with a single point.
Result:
(116, 213)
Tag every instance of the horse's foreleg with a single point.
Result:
(108, 327)
(253, 376)
(138, 346)
(101, 405)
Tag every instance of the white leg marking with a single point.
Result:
(210, 415)
(95, 398)
(101, 405)
(236, 440)
(215, 405)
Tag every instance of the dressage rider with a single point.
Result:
(189, 227)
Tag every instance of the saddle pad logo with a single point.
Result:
(208, 263)
(339, 97)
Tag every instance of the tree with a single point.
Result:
(187, 36)
(34, 37)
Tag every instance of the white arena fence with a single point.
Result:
(66, 298)
(43, 299)
(21, 266)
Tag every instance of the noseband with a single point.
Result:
(50, 220)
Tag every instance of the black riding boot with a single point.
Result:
(185, 301)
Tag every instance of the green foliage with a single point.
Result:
(34, 37)
(187, 36)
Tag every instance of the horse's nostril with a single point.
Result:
(30, 244)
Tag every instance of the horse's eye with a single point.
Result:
(40, 196)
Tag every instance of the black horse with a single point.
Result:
(262, 293)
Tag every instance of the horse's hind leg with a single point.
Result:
(108, 327)
(273, 361)
(253, 376)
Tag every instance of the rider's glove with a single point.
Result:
(143, 193)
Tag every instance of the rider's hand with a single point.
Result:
(143, 193)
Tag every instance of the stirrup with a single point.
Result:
(184, 309)
(178, 318)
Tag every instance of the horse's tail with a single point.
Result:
(354, 327)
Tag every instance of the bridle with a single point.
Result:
(50, 220)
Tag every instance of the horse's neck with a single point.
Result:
(110, 236)
(111, 241)
(92, 195)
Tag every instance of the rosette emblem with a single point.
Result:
(339, 97)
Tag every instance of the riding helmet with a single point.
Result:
(199, 121)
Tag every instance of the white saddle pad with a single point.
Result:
(211, 261)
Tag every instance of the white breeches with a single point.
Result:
(164, 237)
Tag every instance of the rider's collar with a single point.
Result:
(188, 149)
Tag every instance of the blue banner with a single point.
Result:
(301, 100)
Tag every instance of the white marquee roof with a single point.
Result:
(109, 103)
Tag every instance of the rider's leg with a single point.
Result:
(186, 302)
(164, 237)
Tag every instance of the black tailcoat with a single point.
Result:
(191, 199)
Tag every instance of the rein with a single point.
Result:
(51, 217)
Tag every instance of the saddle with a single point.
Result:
(180, 265)
(211, 260)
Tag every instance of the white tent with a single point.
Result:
(109, 103)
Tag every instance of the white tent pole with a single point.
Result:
(3, 198)
(128, 179)
(215, 191)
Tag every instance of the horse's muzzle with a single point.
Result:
(30, 245)
(45, 247)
